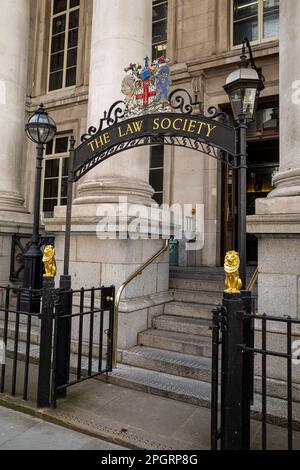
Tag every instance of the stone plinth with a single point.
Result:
(96, 262)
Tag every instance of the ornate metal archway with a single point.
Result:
(185, 126)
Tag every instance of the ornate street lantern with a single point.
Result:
(243, 87)
(40, 128)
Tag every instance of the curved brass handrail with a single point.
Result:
(253, 280)
(120, 291)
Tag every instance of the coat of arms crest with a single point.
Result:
(146, 89)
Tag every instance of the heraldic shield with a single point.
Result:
(146, 89)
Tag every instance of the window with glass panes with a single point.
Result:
(258, 20)
(156, 175)
(159, 28)
(55, 180)
(64, 43)
(159, 48)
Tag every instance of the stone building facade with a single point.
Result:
(71, 55)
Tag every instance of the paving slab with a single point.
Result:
(22, 432)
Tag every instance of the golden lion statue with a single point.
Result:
(49, 261)
(233, 282)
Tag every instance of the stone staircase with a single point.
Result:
(173, 357)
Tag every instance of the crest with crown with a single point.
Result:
(146, 89)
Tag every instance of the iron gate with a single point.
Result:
(68, 342)
(243, 385)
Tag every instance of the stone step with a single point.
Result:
(180, 342)
(188, 309)
(198, 272)
(187, 325)
(204, 272)
(34, 356)
(35, 332)
(183, 389)
(193, 391)
(197, 284)
(201, 297)
(35, 337)
(169, 362)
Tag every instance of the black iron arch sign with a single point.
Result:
(179, 124)
(208, 135)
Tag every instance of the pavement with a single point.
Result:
(125, 417)
(19, 431)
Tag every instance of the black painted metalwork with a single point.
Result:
(214, 113)
(288, 327)
(185, 142)
(92, 309)
(33, 268)
(18, 349)
(242, 196)
(20, 244)
(179, 100)
(217, 330)
(69, 207)
(86, 309)
(40, 129)
(233, 329)
(115, 114)
(45, 356)
(99, 144)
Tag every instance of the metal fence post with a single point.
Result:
(248, 366)
(63, 337)
(107, 303)
(44, 373)
(234, 429)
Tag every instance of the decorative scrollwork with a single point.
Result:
(182, 100)
(218, 115)
(115, 113)
(178, 141)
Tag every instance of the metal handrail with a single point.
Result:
(253, 279)
(120, 291)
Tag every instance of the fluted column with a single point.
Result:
(121, 34)
(14, 37)
(287, 180)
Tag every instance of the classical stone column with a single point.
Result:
(287, 180)
(121, 34)
(14, 36)
(276, 222)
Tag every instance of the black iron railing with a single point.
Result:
(15, 332)
(270, 326)
(69, 341)
(241, 359)
(91, 321)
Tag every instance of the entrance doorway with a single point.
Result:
(263, 162)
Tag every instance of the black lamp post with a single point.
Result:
(40, 129)
(243, 87)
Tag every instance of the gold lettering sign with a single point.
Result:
(145, 129)
(187, 125)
